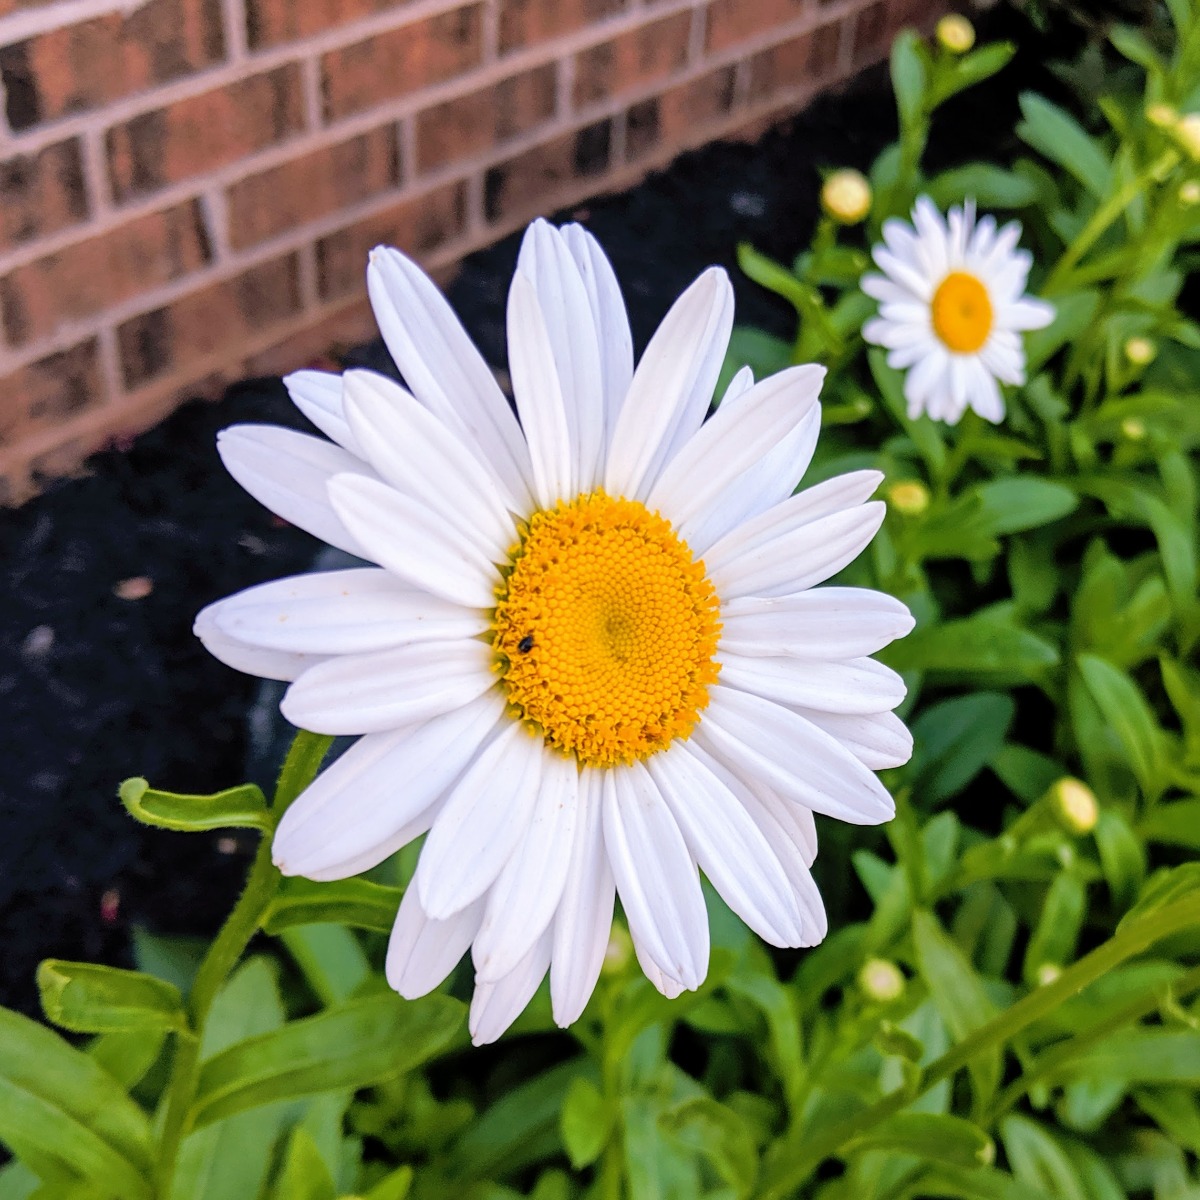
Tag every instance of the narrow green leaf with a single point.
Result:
(586, 1122)
(1176, 824)
(954, 741)
(908, 76)
(358, 903)
(235, 808)
(1057, 930)
(305, 1175)
(331, 958)
(1130, 717)
(1141, 1055)
(1122, 857)
(128, 1056)
(90, 998)
(1054, 133)
(349, 1046)
(1037, 1159)
(990, 642)
(714, 1132)
(1073, 313)
(394, 1186)
(1016, 504)
(931, 1137)
(1164, 887)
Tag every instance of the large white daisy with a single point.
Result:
(952, 309)
(591, 660)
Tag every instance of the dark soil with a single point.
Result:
(97, 687)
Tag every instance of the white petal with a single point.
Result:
(756, 738)
(546, 260)
(859, 686)
(289, 472)
(825, 623)
(1026, 314)
(655, 875)
(539, 396)
(583, 923)
(739, 385)
(418, 455)
(664, 983)
(731, 442)
(372, 693)
(482, 821)
(908, 275)
(877, 740)
(413, 542)
(526, 893)
(422, 952)
(495, 1006)
(382, 786)
(672, 386)
(442, 367)
(252, 660)
(728, 846)
(318, 395)
(342, 612)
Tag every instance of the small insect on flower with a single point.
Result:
(694, 698)
(952, 309)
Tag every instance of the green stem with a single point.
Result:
(301, 765)
(797, 1161)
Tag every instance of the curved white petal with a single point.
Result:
(381, 786)
(664, 983)
(583, 922)
(859, 686)
(318, 395)
(877, 740)
(413, 542)
(495, 1006)
(440, 364)
(655, 875)
(672, 386)
(522, 901)
(728, 846)
(289, 473)
(481, 822)
(756, 738)
(372, 693)
(342, 612)
(828, 623)
(242, 656)
(418, 455)
(422, 952)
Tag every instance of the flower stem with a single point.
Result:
(299, 768)
(804, 1152)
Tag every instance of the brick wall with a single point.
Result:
(188, 188)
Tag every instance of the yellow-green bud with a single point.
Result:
(618, 951)
(1074, 805)
(1162, 116)
(1047, 973)
(1189, 193)
(1140, 351)
(881, 980)
(909, 496)
(846, 196)
(955, 33)
(1134, 428)
(1187, 132)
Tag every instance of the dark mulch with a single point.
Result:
(96, 687)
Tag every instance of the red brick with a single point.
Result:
(204, 132)
(43, 192)
(527, 22)
(222, 316)
(85, 66)
(523, 184)
(323, 345)
(269, 22)
(871, 33)
(88, 277)
(416, 226)
(678, 115)
(642, 56)
(400, 61)
(490, 117)
(733, 21)
(787, 65)
(305, 188)
(50, 390)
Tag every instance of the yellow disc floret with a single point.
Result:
(962, 313)
(605, 631)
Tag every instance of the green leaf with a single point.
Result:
(1054, 133)
(908, 76)
(1037, 1159)
(984, 1184)
(931, 1137)
(973, 69)
(990, 642)
(128, 1056)
(1163, 888)
(1073, 313)
(714, 1132)
(954, 741)
(235, 808)
(1130, 717)
(394, 1186)
(305, 1175)
(1122, 857)
(1013, 505)
(90, 998)
(1176, 824)
(1136, 47)
(1140, 1055)
(1026, 773)
(959, 995)
(352, 1045)
(358, 903)
(1057, 931)
(586, 1122)
(56, 1102)
(332, 960)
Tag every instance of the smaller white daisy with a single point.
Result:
(952, 309)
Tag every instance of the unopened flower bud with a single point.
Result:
(618, 951)
(909, 496)
(1140, 351)
(1162, 116)
(1134, 428)
(1188, 134)
(1189, 193)
(1074, 805)
(955, 33)
(846, 196)
(881, 980)
(1047, 973)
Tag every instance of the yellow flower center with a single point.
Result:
(962, 312)
(605, 630)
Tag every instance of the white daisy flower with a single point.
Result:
(952, 309)
(591, 661)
